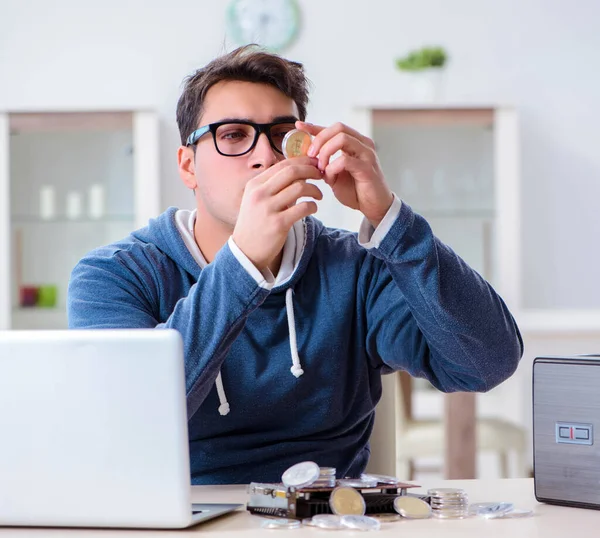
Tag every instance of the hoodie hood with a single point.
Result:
(173, 233)
(165, 233)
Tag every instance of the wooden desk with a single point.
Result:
(547, 522)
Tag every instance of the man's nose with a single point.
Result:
(263, 154)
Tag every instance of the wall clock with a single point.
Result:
(273, 24)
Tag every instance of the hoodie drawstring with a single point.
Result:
(224, 407)
(296, 368)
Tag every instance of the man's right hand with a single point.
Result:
(269, 209)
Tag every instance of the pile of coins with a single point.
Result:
(449, 503)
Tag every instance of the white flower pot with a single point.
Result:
(425, 86)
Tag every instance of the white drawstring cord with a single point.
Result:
(224, 407)
(296, 367)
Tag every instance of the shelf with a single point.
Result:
(559, 322)
(29, 318)
(112, 219)
(434, 116)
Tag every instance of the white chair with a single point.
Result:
(426, 439)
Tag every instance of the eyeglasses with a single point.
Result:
(235, 138)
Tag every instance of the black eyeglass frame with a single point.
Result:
(259, 128)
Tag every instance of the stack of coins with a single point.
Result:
(449, 503)
(326, 478)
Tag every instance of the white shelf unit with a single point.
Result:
(71, 151)
(458, 166)
(419, 148)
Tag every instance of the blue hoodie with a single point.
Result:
(291, 371)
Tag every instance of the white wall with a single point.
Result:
(540, 55)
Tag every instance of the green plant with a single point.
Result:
(423, 58)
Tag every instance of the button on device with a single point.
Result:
(574, 433)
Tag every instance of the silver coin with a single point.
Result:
(412, 507)
(325, 517)
(380, 478)
(328, 521)
(301, 475)
(361, 523)
(517, 513)
(345, 501)
(280, 524)
(357, 483)
(490, 510)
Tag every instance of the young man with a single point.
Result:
(289, 325)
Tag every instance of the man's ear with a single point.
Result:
(187, 168)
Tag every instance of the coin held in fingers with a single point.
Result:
(296, 143)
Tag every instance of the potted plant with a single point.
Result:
(425, 67)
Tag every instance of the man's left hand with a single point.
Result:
(355, 176)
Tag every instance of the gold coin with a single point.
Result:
(296, 143)
(412, 507)
(345, 501)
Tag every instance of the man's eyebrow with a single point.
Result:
(291, 119)
(285, 118)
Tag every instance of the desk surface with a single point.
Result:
(547, 522)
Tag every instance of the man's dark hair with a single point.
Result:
(248, 64)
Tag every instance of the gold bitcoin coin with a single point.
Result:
(296, 143)
(412, 507)
(345, 501)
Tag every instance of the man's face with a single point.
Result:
(221, 180)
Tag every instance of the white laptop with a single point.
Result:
(93, 431)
